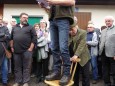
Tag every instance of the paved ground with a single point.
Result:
(34, 83)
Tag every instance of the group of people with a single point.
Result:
(67, 43)
(29, 47)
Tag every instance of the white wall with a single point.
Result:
(98, 12)
(16, 9)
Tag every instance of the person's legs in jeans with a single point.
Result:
(27, 62)
(94, 67)
(55, 47)
(4, 70)
(63, 29)
(18, 68)
(99, 66)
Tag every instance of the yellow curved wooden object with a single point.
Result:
(72, 71)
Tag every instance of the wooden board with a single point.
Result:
(56, 83)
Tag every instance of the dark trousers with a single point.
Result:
(108, 66)
(34, 66)
(42, 68)
(22, 66)
(85, 75)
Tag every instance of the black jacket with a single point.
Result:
(4, 38)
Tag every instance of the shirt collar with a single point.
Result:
(110, 27)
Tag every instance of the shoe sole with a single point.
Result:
(58, 78)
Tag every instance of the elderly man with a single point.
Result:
(78, 49)
(107, 50)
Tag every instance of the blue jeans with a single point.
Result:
(94, 67)
(4, 70)
(59, 31)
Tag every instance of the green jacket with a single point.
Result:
(80, 47)
(64, 12)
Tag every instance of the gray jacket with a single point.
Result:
(108, 42)
(42, 48)
(94, 45)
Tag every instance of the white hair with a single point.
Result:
(5, 20)
(90, 22)
(12, 19)
(90, 25)
(109, 17)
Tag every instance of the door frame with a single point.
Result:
(1, 9)
(83, 18)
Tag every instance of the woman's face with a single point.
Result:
(43, 24)
(36, 27)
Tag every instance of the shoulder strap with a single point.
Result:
(4, 47)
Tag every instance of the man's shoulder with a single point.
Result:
(104, 30)
(4, 28)
(82, 31)
(29, 26)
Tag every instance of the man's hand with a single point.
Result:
(41, 5)
(30, 49)
(12, 49)
(74, 58)
(46, 34)
(61, 2)
(114, 57)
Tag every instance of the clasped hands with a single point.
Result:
(74, 58)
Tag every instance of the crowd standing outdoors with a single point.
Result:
(33, 46)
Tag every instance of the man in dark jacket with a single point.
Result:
(4, 39)
(23, 40)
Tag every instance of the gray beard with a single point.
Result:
(24, 23)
